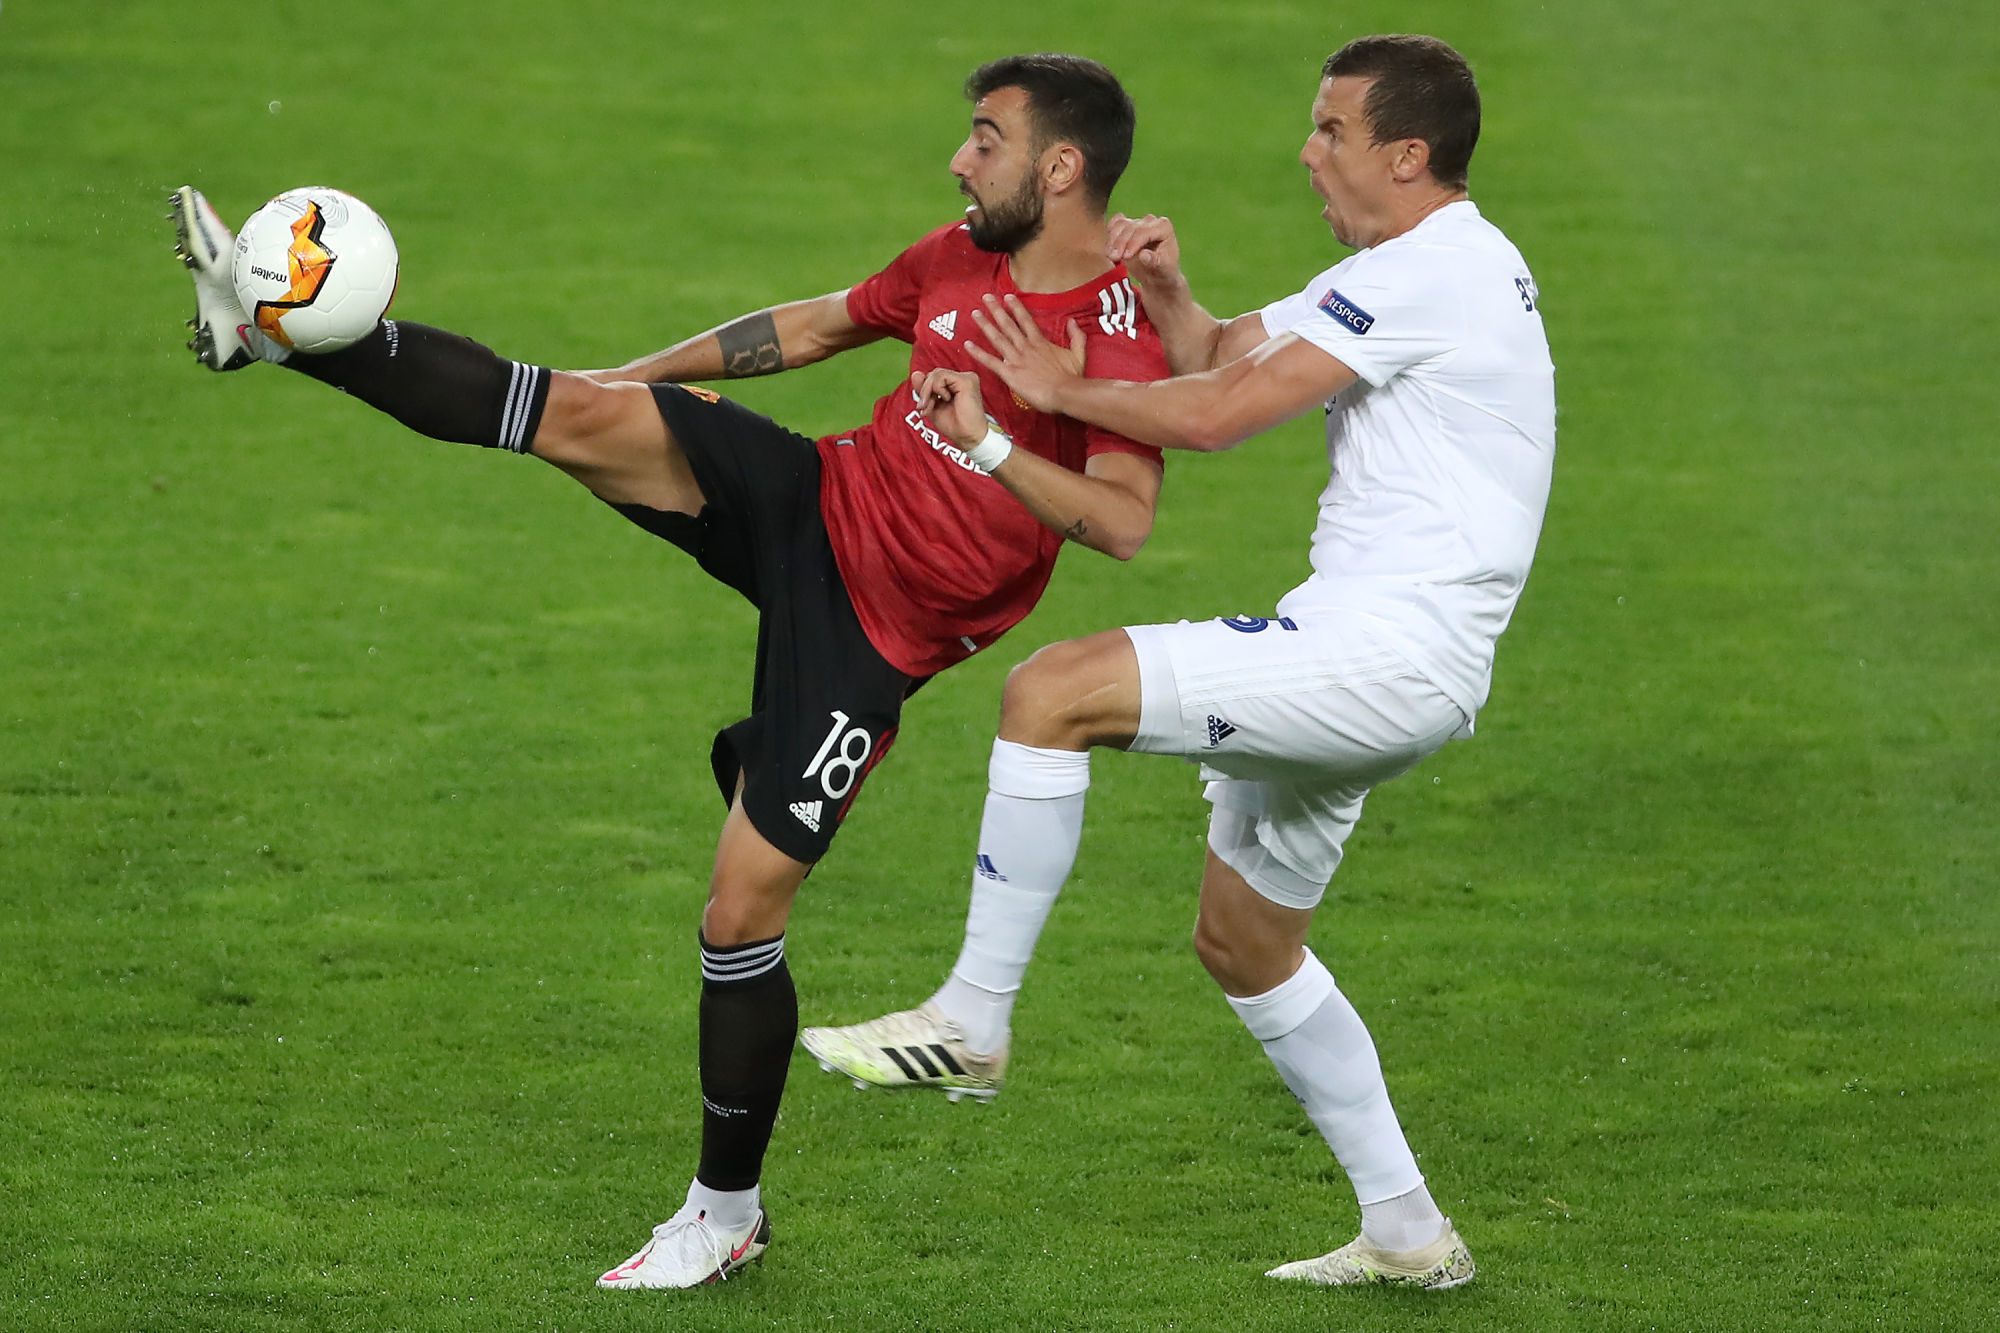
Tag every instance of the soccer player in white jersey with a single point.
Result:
(1427, 351)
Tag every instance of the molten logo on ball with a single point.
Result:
(308, 262)
(315, 268)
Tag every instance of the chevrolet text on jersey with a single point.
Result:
(915, 421)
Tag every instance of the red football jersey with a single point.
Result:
(940, 559)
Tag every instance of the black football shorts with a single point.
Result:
(824, 704)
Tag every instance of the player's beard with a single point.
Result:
(1006, 225)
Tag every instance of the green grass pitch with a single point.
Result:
(354, 813)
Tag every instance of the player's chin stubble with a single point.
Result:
(1002, 228)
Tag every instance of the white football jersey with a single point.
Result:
(1441, 452)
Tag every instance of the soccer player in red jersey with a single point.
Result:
(877, 557)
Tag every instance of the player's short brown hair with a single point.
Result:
(1070, 100)
(1423, 90)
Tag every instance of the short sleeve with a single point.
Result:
(1376, 314)
(888, 300)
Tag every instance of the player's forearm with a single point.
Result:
(761, 343)
(1086, 510)
(1187, 412)
(1277, 379)
(1188, 333)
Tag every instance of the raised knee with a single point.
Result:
(1039, 705)
(1073, 695)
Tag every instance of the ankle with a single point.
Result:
(984, 1017)
(1407, 1222)
(725, 1211)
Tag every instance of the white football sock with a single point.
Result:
(727, 1211)
(1326, 1057)
(1406, 1222)
(1027, 844)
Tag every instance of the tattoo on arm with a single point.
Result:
(750, 346)
(1076, 531)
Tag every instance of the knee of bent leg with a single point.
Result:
(1218, 951)
(1250, 954)
(1058, 698)
(1038, 705)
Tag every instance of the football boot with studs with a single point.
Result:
(222, 335)
(916, 1048)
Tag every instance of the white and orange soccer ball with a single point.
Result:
(314, 269)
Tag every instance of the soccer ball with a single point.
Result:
(314, 269)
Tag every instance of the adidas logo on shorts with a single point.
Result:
(808, 813)
(1219, 730)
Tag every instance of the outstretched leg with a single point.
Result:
(609, 437)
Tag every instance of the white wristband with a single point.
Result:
(992, 451)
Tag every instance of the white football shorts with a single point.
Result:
(1293, 719)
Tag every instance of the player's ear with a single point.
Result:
(1062, 168)
(1412, 159)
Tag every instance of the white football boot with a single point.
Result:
(916, 1048)
(222, 334)
(686, 1252)
(1442, 1264)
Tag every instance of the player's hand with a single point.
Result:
(1033, 367)
(951, 402)
(1148, 247)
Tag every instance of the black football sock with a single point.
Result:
(438, 384)
(749, 1019)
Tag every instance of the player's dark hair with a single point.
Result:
(1423, 90)
(1070, 100)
